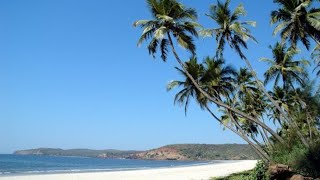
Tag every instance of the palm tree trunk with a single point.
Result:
(256, 148)
(264, 135)
(259, 147)
(309, 126)
(214, 100)
(291, 122)
(255, 140)
(240, 129)
(265, 140)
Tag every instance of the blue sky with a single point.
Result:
(71, 76)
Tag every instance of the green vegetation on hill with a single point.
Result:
(170, 152)
(216, 152)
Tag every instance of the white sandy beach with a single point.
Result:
(202, 172)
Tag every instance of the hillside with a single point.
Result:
(170, 152)
(78, 152)
(200, 152)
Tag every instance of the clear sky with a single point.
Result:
(71, 76)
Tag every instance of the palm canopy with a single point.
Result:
(212, 76)
(311, 102)
(169, 16)
(297, 21)
(246, 85)
(283, 67)
(241, 124)
(188, 89)
(252, 100)
(230, 29)
(281, 97)
(218, 79)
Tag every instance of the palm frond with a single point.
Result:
(164, 49)
(169, 18)
(152, 47)
(174, 84)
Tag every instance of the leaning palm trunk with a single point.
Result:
(242, 131)
(264, 135)
(256, 148)
(309, 125)
(257, 145)
(261, 153)
(216, 101)
(255, 140)
(290, 121)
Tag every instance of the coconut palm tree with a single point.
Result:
(246, 86)
(283, 67)
(230, 30)
(296, 21)
(215, 78)
(172, 19)
(188, 88)
(281, 97)
(307, 110)
(244, 127)
(258, 149)
(294, 102)
(303, 105)
(251, 99)
(218, 79)
(236, 33)
(212, 76)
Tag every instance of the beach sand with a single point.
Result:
(202, 172)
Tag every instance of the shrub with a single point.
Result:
(246, 175)
(281, 154)
(305, 161)
(308, 164)
(259, 172)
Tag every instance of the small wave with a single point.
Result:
(4, 173)
(73, 171)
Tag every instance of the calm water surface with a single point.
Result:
(29, 164)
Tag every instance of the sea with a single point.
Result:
(33, 164)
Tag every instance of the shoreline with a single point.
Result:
(185, 172)
(102, 170)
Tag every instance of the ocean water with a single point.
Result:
(30, 164)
